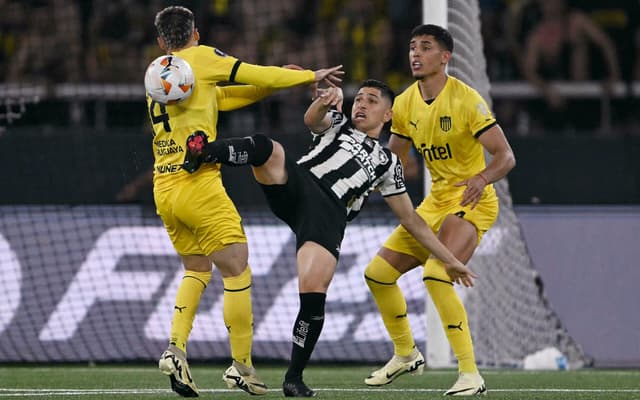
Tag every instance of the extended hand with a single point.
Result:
(331, 76)
(461, 274)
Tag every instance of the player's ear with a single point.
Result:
(196, 34)
(446, 56)
(161, 43)
(388, 115)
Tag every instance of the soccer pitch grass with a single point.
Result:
(120, 382)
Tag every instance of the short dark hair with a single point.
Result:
(175, 26)
(441, 35)
(385, 90)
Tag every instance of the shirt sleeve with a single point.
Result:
(238, 96)
(399, 121)
(393, 180)
(338, 120)
(211, 64)
(273, 77)
(479, 116)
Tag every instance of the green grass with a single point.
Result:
(122, 382)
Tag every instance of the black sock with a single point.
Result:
(306, 332)
(254, 150)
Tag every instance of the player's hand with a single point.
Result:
(332, 76)
(473, 192)
(331, 97)
(460, 274)
(195, 147)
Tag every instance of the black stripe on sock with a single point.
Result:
(378, 282)
(196, 278)
(428, 278)
(237, 290)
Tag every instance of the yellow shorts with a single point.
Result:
(482, 216)
(199, 216)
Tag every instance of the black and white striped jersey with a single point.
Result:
(352, 164)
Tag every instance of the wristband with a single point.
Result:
(486, 181)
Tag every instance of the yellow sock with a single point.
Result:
(187, 300)
(381, 278)
(238, 317)
(452, 314)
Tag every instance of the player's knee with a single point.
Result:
(380, 272)
(263, 148)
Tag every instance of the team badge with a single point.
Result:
(445, 123)
(383, 157)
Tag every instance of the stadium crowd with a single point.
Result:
(55, 41)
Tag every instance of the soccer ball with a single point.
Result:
(169, 79)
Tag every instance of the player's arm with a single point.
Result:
(238, 96)
(502, 158)
(317, 117)
(280, 77)
(400, 145)
(403, 208)
(502, 161)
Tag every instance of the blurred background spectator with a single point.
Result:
(83, 63)
(64, 41)
(563, 46)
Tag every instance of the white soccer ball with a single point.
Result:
(169, 79)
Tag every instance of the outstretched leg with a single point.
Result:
(251, 150)
(265, 156)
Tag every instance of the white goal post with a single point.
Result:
(438, 352)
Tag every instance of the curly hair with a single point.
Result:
(175, 26)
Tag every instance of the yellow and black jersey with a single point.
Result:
(445, 131)
(172, 124)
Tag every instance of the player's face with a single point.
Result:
(426, 57)
(370, 110)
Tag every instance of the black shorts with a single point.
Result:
(312, 213)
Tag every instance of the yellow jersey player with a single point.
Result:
(450, 124)
(202, 222)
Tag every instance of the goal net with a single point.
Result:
(509, 315)
(84, 279)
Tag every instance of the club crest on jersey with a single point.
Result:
(383, 157)
(445, 123)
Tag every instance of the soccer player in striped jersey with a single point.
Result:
(450, 124)
(319, 193)
(202, 222)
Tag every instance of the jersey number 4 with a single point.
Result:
(158, 118)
